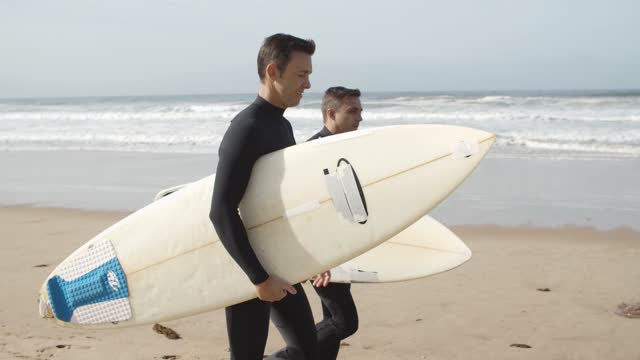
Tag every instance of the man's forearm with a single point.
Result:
(233, 236)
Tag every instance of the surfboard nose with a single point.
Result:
(486, 135)
(482, 136)
(487, 138)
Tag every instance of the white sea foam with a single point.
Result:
(557, 124)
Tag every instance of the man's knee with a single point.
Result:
(347, 326)
(350, 328)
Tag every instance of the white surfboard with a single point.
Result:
(307, 208)
(424, 248)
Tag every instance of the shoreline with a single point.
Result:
(121, 214)
(503, 191)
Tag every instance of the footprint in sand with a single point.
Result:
(48, 348)
(64, 346)
(17, 355)
(51, 351)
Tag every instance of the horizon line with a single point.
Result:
(550, 90)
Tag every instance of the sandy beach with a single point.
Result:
(105, 105)
(492, 307)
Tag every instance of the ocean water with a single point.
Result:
(560, 124)
(560, 158)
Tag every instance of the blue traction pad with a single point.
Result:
(102, 284)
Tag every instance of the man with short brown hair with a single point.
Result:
(341, 111)
(284, 67)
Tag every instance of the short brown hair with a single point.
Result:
(334, 96)
(277, 49)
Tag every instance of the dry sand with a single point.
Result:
(477, 311)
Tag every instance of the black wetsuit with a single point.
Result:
(257, 130)
(340, 316)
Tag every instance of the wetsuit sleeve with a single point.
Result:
(237, 155)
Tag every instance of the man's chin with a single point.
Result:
(293, 103)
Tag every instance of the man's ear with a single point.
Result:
(272, 71)
(331, 113)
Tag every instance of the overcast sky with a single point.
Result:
(145, 47)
